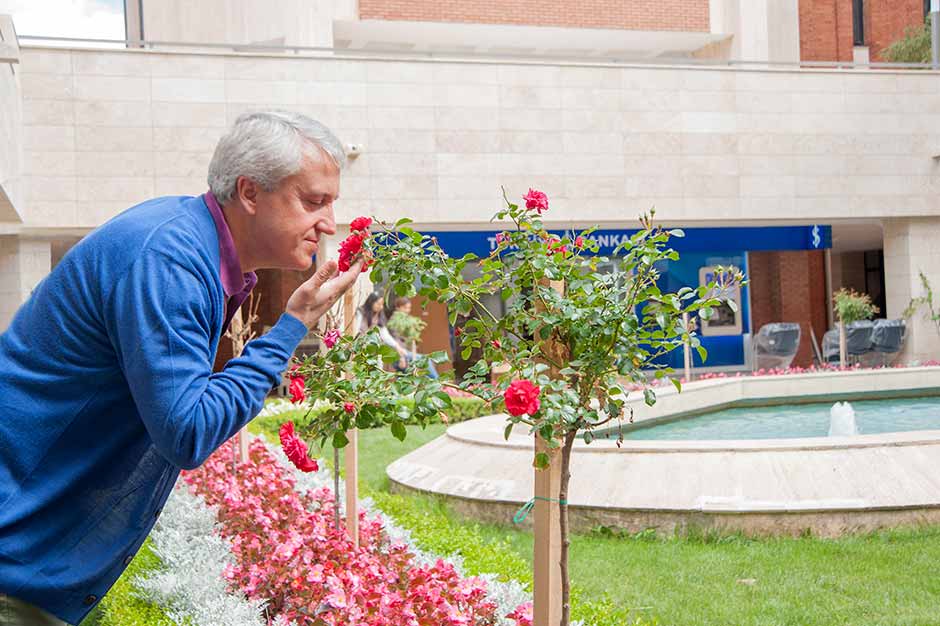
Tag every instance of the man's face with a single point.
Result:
(289, 220)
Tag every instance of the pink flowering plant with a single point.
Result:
(576, 339)
(288, 553)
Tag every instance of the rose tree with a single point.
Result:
(574, 336)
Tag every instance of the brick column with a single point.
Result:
(790, 286)
(910, 247)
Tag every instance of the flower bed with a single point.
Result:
(288, 554)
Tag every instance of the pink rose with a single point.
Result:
(349, 407)
(495, 343)
(536, 200)
(522, 397)
(500, 238)
(330, 338)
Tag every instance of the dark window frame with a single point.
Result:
(858, 22)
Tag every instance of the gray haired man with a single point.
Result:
(107, 388)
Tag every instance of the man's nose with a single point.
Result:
(327, 225)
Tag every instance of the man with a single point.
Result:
(107, 388)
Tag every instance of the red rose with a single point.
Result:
(522, 397)
(296, 389)
(555, 245)
(495, 343)
(296, 449)
(348, 249)
(349, 407)
(360, 223)
(536, 200)
(579, 242)
(458, 331)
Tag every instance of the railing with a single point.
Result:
(443, 55)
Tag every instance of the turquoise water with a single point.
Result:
(797, 420)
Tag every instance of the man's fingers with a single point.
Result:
(323, 274)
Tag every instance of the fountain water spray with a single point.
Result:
(842, 420)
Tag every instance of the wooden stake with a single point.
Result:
(546, 580)
(351, 454)
(843, 351)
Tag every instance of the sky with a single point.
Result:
(88, 19)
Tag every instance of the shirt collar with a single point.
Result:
(233, 279)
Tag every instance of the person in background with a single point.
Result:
(403, 313)
(372, 314)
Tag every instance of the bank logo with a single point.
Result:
(816, 238)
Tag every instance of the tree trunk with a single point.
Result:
(563, 526)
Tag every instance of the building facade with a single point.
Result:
(810, 178)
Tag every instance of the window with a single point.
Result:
(858, 22)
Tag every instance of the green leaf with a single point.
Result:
(702, 352)
(438, 357)
(339, 439)
(588, 436)
(677, 383)
(541, 461)
(649, 396)
(398, 430)
(507, 431)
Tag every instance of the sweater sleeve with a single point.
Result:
(160, 319)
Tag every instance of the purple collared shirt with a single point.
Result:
(237, 285)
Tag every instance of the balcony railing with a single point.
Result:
(444, 55)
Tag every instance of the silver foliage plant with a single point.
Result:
(190, 586)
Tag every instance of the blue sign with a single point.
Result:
(711, 239)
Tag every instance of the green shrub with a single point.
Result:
(405, 326)
(912, 47)
(851, 306)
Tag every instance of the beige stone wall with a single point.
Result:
(11, 128)
(23, 263)
(104, 130)
(910, 248)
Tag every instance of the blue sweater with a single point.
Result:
(107, 390)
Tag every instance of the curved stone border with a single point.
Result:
(829, 485)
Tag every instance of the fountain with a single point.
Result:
(842, 420)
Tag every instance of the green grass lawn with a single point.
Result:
(884, 579)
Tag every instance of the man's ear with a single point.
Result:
(247, 192)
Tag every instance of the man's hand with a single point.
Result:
(317, 294)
